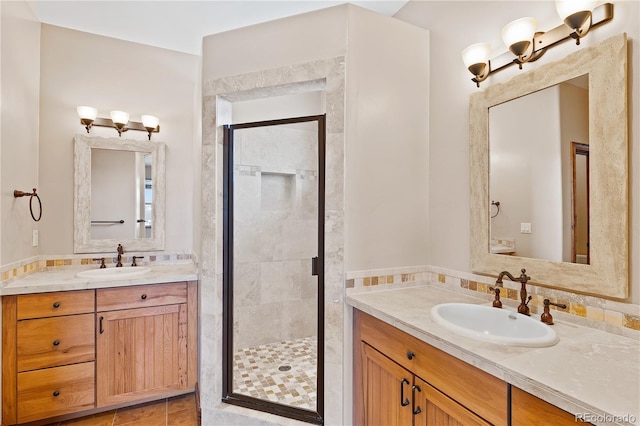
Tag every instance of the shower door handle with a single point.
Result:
(314, 266)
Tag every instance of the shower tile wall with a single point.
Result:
(275, 234)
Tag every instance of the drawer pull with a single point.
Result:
(410, 355)
(101, 329)
(56, 305)
(56, 393)
(56, 342)
(143, 297)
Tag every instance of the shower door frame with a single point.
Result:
(228, 395)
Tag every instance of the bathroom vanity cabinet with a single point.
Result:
(82, 351)
(401, 380)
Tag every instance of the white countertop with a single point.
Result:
(587, 371)
(64, 279)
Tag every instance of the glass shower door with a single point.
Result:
(274, 218)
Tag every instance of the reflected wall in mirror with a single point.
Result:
(532, 173)
(119, 194)
(605, 270)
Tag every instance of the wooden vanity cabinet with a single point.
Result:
(143, 347)
(401, 380)
(529, 410)
(78, 352)
(48, 355)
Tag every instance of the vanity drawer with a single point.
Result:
(142, 296)
(55, 391)
(481, 392)
(42, 305)
(51, 342)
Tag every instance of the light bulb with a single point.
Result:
(120, 117)
(87, 113)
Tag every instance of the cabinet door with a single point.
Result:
(140, 353)
(387, 390)
(432, 407)
(529, 410)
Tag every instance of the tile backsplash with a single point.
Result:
(591, 311)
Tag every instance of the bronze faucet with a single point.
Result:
(134, 260)
(546, 315)
(523, 278)
(101, 260)
(120, 253)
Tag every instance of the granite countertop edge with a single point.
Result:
(64, 279)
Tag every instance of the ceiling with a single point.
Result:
(179, 25)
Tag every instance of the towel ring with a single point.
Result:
(17, 194)
(497, 204)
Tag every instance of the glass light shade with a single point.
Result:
(87, 113)
(566, 8)
(519, 30)
(120, 117)
(150, 122)
(476, 54)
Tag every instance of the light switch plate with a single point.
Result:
(525, 228)
(34, 238)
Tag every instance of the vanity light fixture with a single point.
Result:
(119, 120)
(527, 45)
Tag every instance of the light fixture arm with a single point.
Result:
(545, 40)
(131, 125)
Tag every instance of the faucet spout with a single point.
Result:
(523, 308)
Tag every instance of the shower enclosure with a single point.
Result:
(273, 266)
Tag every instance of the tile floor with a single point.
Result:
(283, 372)
(175, 411)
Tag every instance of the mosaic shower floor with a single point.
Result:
(283, 372)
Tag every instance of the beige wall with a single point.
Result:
(78, 68)
(386, 150)
(20, 88)
(450, 90)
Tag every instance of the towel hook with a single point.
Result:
(17, 194)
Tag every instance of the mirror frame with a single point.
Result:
(82, 241)
(608, 273)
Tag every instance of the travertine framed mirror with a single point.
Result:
(607, 273)
(119, 194)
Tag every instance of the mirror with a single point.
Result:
(606, 272)
(119, 194)
(534, 176)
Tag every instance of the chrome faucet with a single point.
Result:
(523, 308)
(120, 253)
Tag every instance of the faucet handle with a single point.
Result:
(134, 260)
(546, 315)
(523, 277)
(120, 249)
(101, 260)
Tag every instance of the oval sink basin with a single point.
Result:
(121, 273)
(493, 325)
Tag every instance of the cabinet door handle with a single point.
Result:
(101, 329)
(56, 393)
(416, 410)
(56, 342)
(404, 401)
(143, 297)
(56, 305)
(410, 355)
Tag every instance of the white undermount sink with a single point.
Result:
(493, 325)
(121, 273)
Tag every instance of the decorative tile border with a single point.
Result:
(21, 269)
(590, 311)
